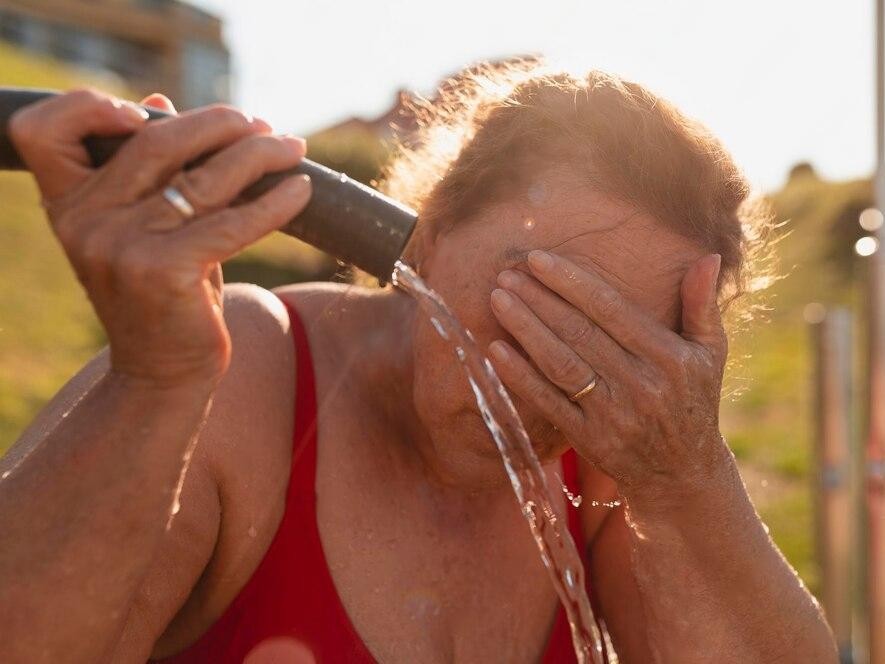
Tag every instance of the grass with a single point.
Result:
(769, 422)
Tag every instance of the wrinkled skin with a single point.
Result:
(147, 272)
(610, 305)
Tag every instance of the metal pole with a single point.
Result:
(875, 444)
(835, 513)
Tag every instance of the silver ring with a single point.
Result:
(584, 391)
(179, 202)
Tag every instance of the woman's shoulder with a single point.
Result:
(313, 300)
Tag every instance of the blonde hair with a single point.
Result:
(475, 138)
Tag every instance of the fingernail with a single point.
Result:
(498, 351)
(298, 143)
(134, 113)
(508, 279)
(164, 100)
(260, 124)
(501, 300)
(540, 260)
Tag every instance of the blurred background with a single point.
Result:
(790, 88)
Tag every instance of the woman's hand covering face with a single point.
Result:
(651, 421)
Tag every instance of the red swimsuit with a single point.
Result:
(290, 604)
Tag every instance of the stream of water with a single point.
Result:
(555, 543)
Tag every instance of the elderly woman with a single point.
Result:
(307, 478)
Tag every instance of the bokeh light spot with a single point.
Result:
(866, 246)
(871, 219)
(814, 312)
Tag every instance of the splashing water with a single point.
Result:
(557, 548)
(573, 498)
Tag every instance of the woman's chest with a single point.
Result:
(420, 582)
(414, 595)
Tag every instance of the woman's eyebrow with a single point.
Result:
(516, 255)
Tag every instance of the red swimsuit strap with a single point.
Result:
(305, 390)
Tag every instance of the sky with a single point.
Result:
(779, 81)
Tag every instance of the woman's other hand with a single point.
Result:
(652, 420)
(147, 267)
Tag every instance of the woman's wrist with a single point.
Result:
(705, 486)
(198, 386)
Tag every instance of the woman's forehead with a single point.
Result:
(630, 249)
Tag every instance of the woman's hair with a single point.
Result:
(476, 138)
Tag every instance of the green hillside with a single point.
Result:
(768, 417)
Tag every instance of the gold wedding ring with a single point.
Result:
(584, 391)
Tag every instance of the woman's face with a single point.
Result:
(634, 252)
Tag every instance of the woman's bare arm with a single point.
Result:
(82, 512)
(238, 474)
(86, 499)
(711, 584)
(701, 581)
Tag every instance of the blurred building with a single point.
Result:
(398, 120)
(167, 46)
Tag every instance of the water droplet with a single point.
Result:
(440, 330)
(530, 510)
(342, 177)
(529, 223)
(574, 499)
(570, 577)
(252, 532)
(5, 475)
(176, 506)
(461, 353)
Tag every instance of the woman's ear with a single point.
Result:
(421, 249)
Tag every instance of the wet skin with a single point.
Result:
(429, 452)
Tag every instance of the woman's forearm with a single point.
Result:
(713, 585)
(83, 512)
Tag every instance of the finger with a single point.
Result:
(219, 236)
(160, 102)
(632, 328)
(576, 330)
(216, 281)
(222, 178)
(701, 318)
(49, 135)
(163, 147)
(518, 375)
(559, 363)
